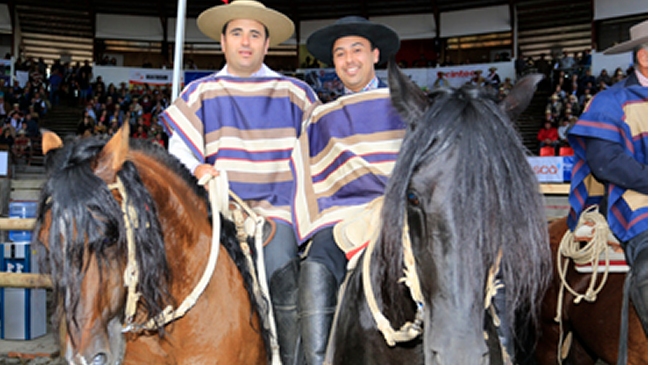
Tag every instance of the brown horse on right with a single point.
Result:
(595, 326)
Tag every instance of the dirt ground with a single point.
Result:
(43, 350)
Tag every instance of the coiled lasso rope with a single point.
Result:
(571, 248)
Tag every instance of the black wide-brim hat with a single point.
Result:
(321, 42)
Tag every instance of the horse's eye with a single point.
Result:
(413, 199)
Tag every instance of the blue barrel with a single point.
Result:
(22, 209)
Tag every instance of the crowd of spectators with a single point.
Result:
(572, 86)
(108, 108)
(103, 109)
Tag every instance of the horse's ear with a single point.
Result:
(113, 155)
(408, 99)
(51, 141)
(520, 96)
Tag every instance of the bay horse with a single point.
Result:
(464, 189)
(595, 326)
(83, 235)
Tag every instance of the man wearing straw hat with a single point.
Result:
(337, 170)
(244, 120)
(610, 143)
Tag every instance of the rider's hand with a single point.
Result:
(205, 169)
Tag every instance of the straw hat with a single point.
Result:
(638, 35)
(212, 20)
(321, 42)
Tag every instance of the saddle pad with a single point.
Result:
(617, 260)
(617, 263)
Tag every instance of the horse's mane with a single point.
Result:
(82, 203)
(491, 202)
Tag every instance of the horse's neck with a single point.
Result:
(186, 230)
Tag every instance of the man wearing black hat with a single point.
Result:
(354, 45)
(341, 165)
(610, 167)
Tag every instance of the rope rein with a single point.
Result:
(571, 248)
(131, 273)
(411, 330)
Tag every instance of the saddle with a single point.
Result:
(355, 232)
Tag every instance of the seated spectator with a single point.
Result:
(601, 86)
(554, 107)
(572, 104)
(618, 75)
(493, 79)
(585, 98)
(158, 138)
(603, 77)
(6, 138)
(507, 84)
(548, 135)
(563, 129)
(114, 127)
(441, 80)
(5, 108)
(140, 132)
(22, 144)
(32, 128)
(101, 127)
(559, 92)
(477, 79)
(86, 126)
(39, 104)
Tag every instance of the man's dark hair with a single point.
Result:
(635, 52)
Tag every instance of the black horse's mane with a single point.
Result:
(491, 204)
(84, 210)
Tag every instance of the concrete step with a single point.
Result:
(25, 184)
(24, 195)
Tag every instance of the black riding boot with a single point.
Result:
(317, 304)
(638, 287)
(283, 293)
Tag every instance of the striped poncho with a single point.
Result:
(247, 127)
(343, 159)
(618, 115)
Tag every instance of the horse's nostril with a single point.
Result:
(99, 359)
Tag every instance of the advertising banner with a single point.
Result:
(152, 77)
(552, 169)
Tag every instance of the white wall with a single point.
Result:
(610, 62)
(475, 21)
(605, 9)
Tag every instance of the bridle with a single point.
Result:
(413, 329)
(132, 270)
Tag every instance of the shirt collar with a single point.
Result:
(264, 71)
(373, 84)
(641, 78)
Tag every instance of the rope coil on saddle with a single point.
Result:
(571, 248)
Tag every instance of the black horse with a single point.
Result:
(469, 201)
